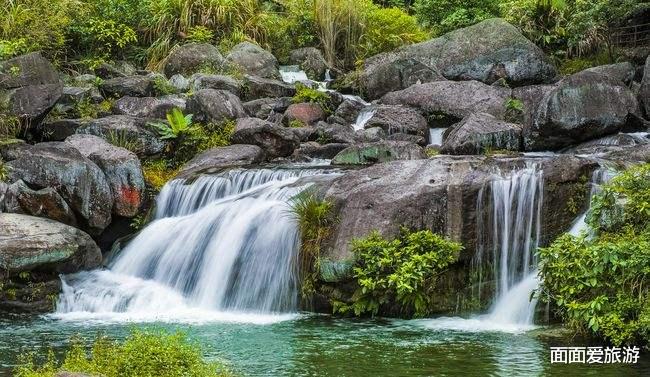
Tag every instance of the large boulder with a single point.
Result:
(215, 106)
(259, 87)
(60, 129)
(130, 131)
(447, 102)
(74, 177)
(262, 108)
(200, 81)
(311, 61)
(134, 86)
(479, 133)
(217, 159)
(254, 60)
(148, 107)
(31, 87)
(307, 114)
(395, 119)
(583, 106)
(624, 72)
(33, 243)
(276, 141)
(191, 58)
(644, 91)
(121, 168)
(325, 133)
(382, 151)
(349, 110)
(488, 51)
(46, 202)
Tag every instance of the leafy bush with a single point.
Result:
(102, 39)
(398, 273)
(153, 353)
(315, 221)
(387, 29)
(597, 282)
(447, 15)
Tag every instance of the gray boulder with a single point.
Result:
(398, 119)
(349, 110)
(262, 108)
(383, 151)
(126, 131)
(276, 141)
(200, 81)
(60, 129)
(46, 202)
(191, 58)
(148, 107)
(254, 60)
(133, 86)
(325, 133)
(33, 243)
(310, 60)
(306, 113)
(479, 133)
(447, 102)
(624, 72)
(488, 51)
(583, 106)
(74, 177)
(121, 168)
(259, 87)
(214, 106)
(217, 159)
(312, 149)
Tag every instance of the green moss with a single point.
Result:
(307, 94)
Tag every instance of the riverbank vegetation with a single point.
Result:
(143, 353)
(78, 34)
(599, 280)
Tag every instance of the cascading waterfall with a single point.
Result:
(436, 135)
(224, 243)
(364, 117)
(513, 227)
(599, 177)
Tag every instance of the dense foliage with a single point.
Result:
(599, 280)
(141, 354)
(399, 272)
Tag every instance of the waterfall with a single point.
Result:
(435, 135)
(513, 229)
(364, 117)
(292, 74)
(600, 176)
(224, 243)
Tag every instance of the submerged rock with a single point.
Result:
(481, 132)
(372, 153)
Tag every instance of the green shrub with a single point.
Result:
(316, 222)
(597, 281)
(447, 15)
(199, 34)
(307, 94)
(122, 139)
(162, 86)
(398, 274)
(4, 171)
(153, 353)
(102, 39)
(514, 110)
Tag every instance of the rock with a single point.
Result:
(398, 119)
(148, 107)
(46, 202)
(310, 60)
(217, 159)
(382, 78)
(276, 141)
(126, 131)
(73, 96)
(133, 86)
(258, 87)
(415, 139)
(74, 177)
(644, 90)
(371, 135)
(33, 243)
(306, 113)
(121, 168)
(180, 83)
(192, 58)
(447, 102)
(313, 150)
(200, 81)
(609, 143)
(440, 194)
(108, 71)
(325, 133)
(214, 106)
(624, 72)
(581, 107)
(480, 133)
(262, 108)
(372, 153)
(27, 70)
(486, 52)
(13, 148)
(530, 96)
(34, 297)
(349, 110)
(254, 60)
(59, 130)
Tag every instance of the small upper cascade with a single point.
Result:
(292, 74)
(436, 135)
(364, 117)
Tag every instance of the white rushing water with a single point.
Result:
(364, 117)
(292, 74)
(598, 178)
(224, 244)
(436, 135)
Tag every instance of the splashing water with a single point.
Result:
(224, 244)
(436, 135)
(364, 117)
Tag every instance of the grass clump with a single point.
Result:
(158, 172)
(398, 276)
(316, 221)
(152, 353)
(4, 171)
(597, 279)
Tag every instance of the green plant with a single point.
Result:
(597, 281)
(307, 94)
(121, 138)
(432, 152)
(398, 274)
(177, 124)
(315, 221)
(162, 86)
(296, 123)
(158, 172)
(151, 353)
(199, 34)
(4, 171)
(514, 110)
(447, 15)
